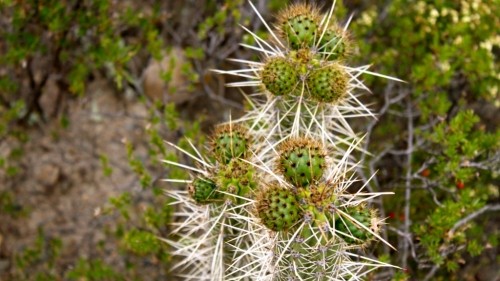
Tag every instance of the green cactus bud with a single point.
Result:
(298, 25)
(278, 208)
(335, 43)
(230, 141)
(301, 161)
(279, 76)
(365, 216)
(203, 191)
(237, 178)
(328, 84)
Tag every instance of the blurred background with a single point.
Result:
(90, 89)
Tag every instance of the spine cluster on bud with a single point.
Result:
(230, 141)
(278, 208)
(204, 191)
(271, 200)
(358, 226)
(298, 25)
(328, 84)
(279, 76)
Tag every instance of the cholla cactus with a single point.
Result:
(270, 200)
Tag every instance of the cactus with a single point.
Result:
(354, 228)
(229, 141)
(237, 178)
(273, 201)
(298, 25)
(279, 76)
(278, 208)
(204, 191)
(335, 44)
(301, 161)
(328, 84)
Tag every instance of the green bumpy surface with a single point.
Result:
(237, 178)
(333, 45)
(302, 166)
(346, 226)
(328, 84)
(300, 31)
(279, 209)
(229, 145)
(203, 191)
(279, 76)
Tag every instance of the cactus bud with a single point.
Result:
(230, 141)
(328, 84)
(298, 25)
(365, 216)
(278, 208)
(301, 161)
(335, 43)
(203, 191)
(279, 76)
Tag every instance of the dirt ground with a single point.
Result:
(61, 181)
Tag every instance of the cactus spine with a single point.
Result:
(271, 200)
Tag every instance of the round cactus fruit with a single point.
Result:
(350, 229)
(328, 84)
(298, 25)
(278, 208)
(301, 161)
(230, 141)
(279, 76)
(334, 44)
(203, 191)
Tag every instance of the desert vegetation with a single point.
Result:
(98, 98)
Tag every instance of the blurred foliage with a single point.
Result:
(93, 271)
(447, 51)
(38, 262)
(9, 206)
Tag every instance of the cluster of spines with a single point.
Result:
(278, 167)
(204, 191)
(302, 161)
(278, 208)
(229, 142)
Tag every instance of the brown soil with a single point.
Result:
(61, 181)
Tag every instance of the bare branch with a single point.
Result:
(473, 216)
(410, 148)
